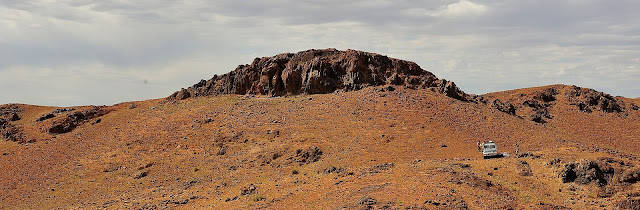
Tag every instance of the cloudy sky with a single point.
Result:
(78, 52)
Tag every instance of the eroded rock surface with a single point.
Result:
(318, 72)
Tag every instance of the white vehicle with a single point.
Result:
(489, 149)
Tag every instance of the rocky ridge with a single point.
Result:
(319, 72)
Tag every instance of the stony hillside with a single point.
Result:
(393, 145)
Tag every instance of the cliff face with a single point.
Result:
(318, 72)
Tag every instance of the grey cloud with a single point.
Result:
(502, 45)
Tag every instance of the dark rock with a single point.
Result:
(11, 132)
(251, 189)
(380, 168)
(540, 115)
(588, 100)
(179, 202)
(547, 95)
(587, 171)
(222, 151)
(332, 169)
(367, 201)
(231, 199)
(319, 72)
(45, 117)
(553, 162)
(309, 155)
(633, 204)
(631, 176)
(389, 88)
(146, 166)
(524, 169)
(504, 107)
(141, 174)
(62, 110)
(111, 168)
(528, 154)
(14, 117)
(75, 119)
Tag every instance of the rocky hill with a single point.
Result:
(356, 130)
(317, 72)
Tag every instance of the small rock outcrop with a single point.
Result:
(588, 100)
(8, 130)
(587, 171)
(309, 155)
(319, 72)
(75, 119)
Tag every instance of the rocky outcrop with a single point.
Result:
(587, 171)
(318, 72)
(588, 100)
(75, 119)
(8, 130)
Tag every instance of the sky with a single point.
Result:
(102, 52)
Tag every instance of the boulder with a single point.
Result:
(587, 171)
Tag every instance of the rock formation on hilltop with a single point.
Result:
(318, 72)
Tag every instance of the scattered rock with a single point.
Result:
(111, 168)
(380, 168)
(132, 106)
(222, 150)
(367, 201)
(231, 199)
(179, 202)
(631, 176)
(551, 206)
(524, 168)
(332, 169)
(251, 189)
(553, 162)
(146, 166)
(273, 133)
(504, 107)
(528, 154)
(140, 175)
(633, 204)
(309, 155)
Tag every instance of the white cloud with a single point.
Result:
(461, 8)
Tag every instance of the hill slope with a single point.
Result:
(394, 146)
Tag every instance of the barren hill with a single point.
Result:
(361, 144)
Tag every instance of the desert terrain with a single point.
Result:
(326, 129)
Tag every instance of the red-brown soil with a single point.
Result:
(400, 147)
